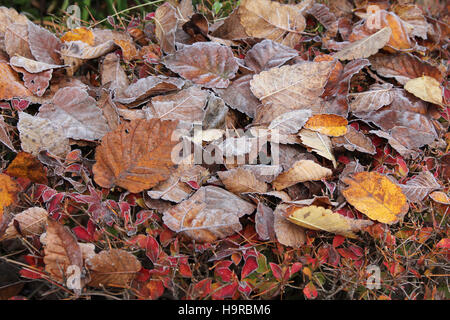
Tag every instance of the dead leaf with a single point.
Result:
(241, 180)
(31, 223)
(10, 85)
(378, 96)
(112, 268)
(44, 45)
(128, 48)
(205, 63)
(290, 122)
(113, 74)
(272, 20)
(9, 190)
(4, 134)
(79, 34)
(328, 124)
(30, 65)
(37, 83)
(211, 213)
(264, 222)
(319, 143)
(301, 171)
(27, 166)
(417, 188)
(355, 140)
(327, 18)
(268, 54)
(440, 197)
(319, 218)
(166, 22)
(376, 196)
(289, 88)
(136, 156)
(366, 47)
(9, 16)
(425, 88)
(76, 113)
(16, 40)
(287, 233)
(37, 134)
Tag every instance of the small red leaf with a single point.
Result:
(310, 291)
(338, 240)
(152, 249)
(276, 270)
(250, 266)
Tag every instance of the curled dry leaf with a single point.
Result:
(404, 67)
(319, 218)
(268, 54)
(288, 234)
(37, 134)
(355, 140)
(376, 196)
(290, 122)
(301, 171)
(76, 113)
(205, 63)
(128, 48)
(272, 20)
(289, 88)
(27, 166)
(9, 16)
(209, 214)
(10, 84)
(319, 143)
(145, 87)
(241, 180)
(30, 65)
(425, 88)
(328, 124)
(136, 156)
(325, 16)
(417, 188)
(44, 45)
(413, 18)
(366, 47)
(166, 22)
(61, 252)
(8, 192)
(112, 268)
(31, 223)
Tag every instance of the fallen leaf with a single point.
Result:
(9, 16)
(10, 85)
(113, 74)
(264, 222)
(268, 54)
(377, 97)
(27, 166)
(425, 88)
(79, 34)
(112, 268)
(376, 196)
(440, 197)
(44, 45)
(355, 140)
(37, 134)
(31, 222)
(241, 180)
(30, 65)
(328, 124)
(290, 122)
(325, 16)
(4, 134)
(413, 17)
(9, 190)
(319, 218)
(205, 63)
(417, 188)
(136, 156)
(366, 47)
(288, 233)
(37, 83)
(165, 26)
(319, 143)
(76, 113)
(301, 171)
(16, 40)
(272, 20)
(289, 88)
(209, 214)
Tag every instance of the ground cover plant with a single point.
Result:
(249, 149)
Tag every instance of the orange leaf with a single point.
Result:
(25, 165)
(8, 192)
(329, 124)
(10, 84)
(81, 34)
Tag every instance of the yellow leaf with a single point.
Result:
(425, 88)
(79, 34)
(440, 197)
(376, 196)
(329, 124)
(319, 218)
(8, 192)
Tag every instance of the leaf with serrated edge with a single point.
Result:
(417, 189)
(301, 171)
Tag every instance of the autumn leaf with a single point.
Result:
(31, 222)
(376, 196)
(268, 54)
(136, 156)
(79, 34)
(290, 122)
(8, 193)
(417, 188)
(241, 180)
(209, 214)
(44, 45)
(321, 144)
(287, 233)
(301, 171)
(319, 218)
(328, 124)
(205, 63)
(27, 166)
(10, 85)
(355, 140)
(377, 97)
(112, 268)
(165, 26)
(425, 88)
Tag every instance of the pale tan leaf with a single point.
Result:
(44, 45)
(287, 233)
(31, 223)
(16, 41)
(290, 122)
(319, 218)
(241, 180)
(425, 88)
(211, 213)
(366, 47)
(321, 144)
(113, 74)
(9, 16)
(377, 97)
(264, 222)
(301, 171)
(32, 66)
(112, 268)
(165, 26)
(268, 54)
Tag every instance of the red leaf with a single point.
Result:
(29, 274)
(82, 234)
(203, 288)
(152, 249)
(224, 274)
(310, 291)
(358, 251)
(225, 292)
(245, 288)
(346, 253)
(338, 240)
(296, 267)
(143, 275)
(276, 270)
(250, 266)
(185, 270)
(155, 288)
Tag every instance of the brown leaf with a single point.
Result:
(165, 26)
(301, 171)
(44, 45)
(128, 48)
(61, 251)
(417, 188)
(113, 74)
(211, 213)
(27, 166)
(4, 135)
(290, 122)
(148, 86)
(37, 83)
(290, 88)
(404, 67)
(264, 222)
(327, 18)
(240, 180)
(287, 233)
(76, 113)
(378, 96)
(268, 54)
(112, 268)
(328, 124)
(355, 140)
(10, 84)
(205, 63)
(412, 16)
(31, 223)
(9, 16)
(16, 40)
(272, 20)
(136, 156)
(30, 65)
